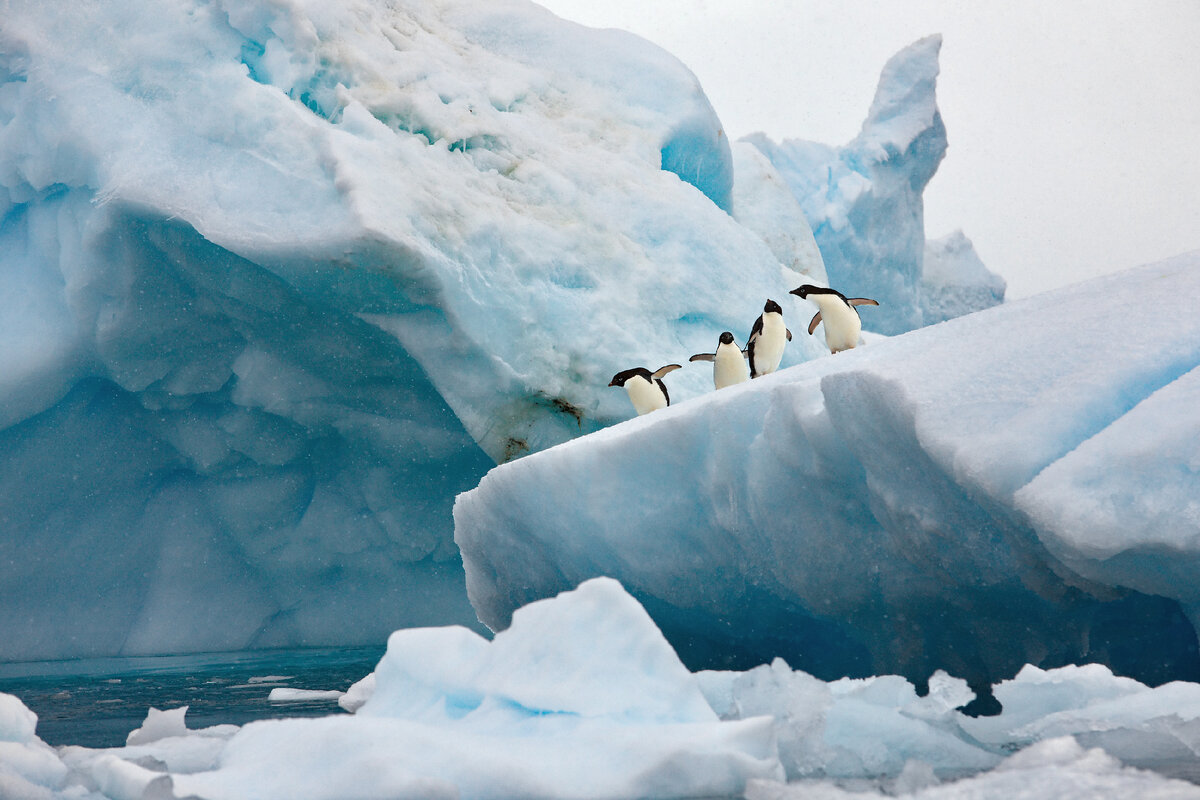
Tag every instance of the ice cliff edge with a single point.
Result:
(1016, 486)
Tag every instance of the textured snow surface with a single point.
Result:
(582, 697)
(1017, 486)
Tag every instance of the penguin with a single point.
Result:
(729, 362)
(842, 324)
(768, 337)
(646, 390)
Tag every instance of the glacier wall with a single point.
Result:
(865, 203)
(1016, 486)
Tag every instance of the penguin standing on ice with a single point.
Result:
(842, 324)
(729, 362)
(768, 337)
(646, 390)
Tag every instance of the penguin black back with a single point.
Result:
(624, 375)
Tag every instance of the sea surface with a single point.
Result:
(97, 702)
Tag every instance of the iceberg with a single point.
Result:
(279, 280)
(1017, 486)
(864, 203)
(582, 697)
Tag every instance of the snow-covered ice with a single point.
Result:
(583, 697)
(1015, 486)
(285, 694)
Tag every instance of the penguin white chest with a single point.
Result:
(841, 323)
(729, 366)
(768, 346)
(645, 395)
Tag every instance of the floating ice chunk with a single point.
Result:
(123, 780)
(28, 767)
(281, 694)
(358, 693)
(581, 697)
(853, 728)
(1155, 728)
(17, 722)
(597, 655)
(159, 725)
(316, 759)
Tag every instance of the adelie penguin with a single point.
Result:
(768, 337)
(838, 313)
(729, 362)
(646, 390)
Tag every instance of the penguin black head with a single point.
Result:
(772, 307)
(620, 378)
(804, 291)
(726, 338)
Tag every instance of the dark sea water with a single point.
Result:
(96, 703)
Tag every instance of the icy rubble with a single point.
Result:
(583, 698)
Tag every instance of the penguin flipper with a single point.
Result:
(658, 373)
(703, 357)
(812, 326)
(663, 386)
(862, 301)
(789, 334)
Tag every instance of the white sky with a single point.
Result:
(1074, 125)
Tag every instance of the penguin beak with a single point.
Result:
(798, 292)
(613, 382)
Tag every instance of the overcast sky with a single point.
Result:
(1074, 125)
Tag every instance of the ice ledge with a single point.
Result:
(858, 514)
